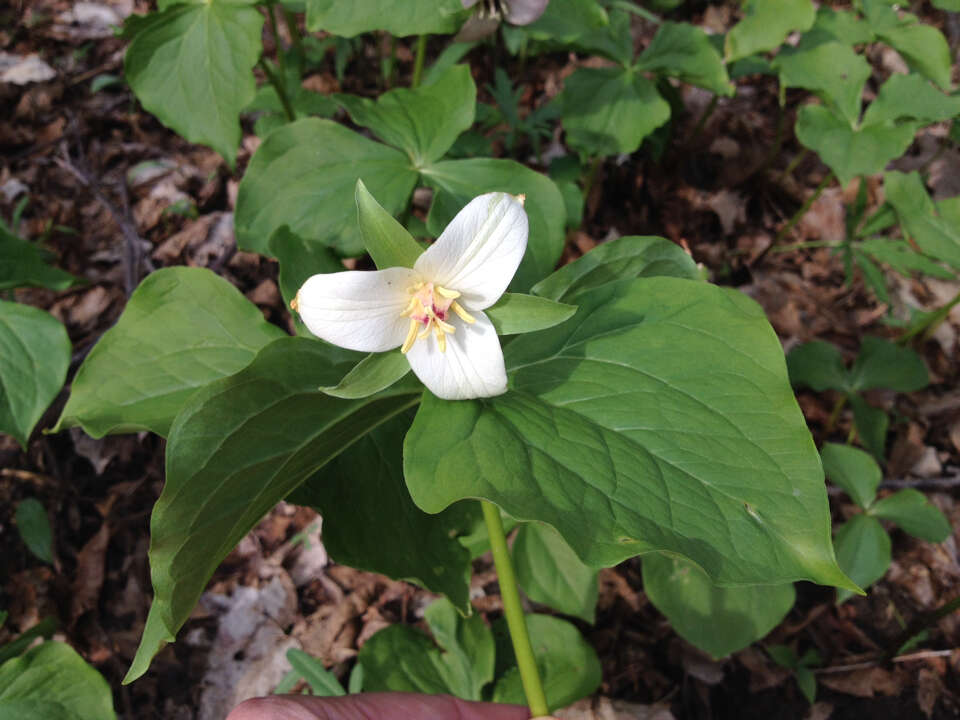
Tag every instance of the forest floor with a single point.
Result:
(106, 182)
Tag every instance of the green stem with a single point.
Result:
(835, 415)
(278, 86)
(929, 325)
(803, 208)
(529, 675)
(797, 159)
(418, 61)
(275, 32)
(704, 116)
(591, 178)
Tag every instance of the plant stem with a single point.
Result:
(803, 208)
(929, 325)
(278, 86)
(275, 32)
(591, 178)
(704, 116)
(835, 414)
(529, 675)
(793, 164)
(294, 30)
(418, 61)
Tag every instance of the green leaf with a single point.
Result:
(910, 509)
(459, 660)
(34, 528)
(850, 152)
(585, 25)
(35, 708)
(516, 313)
(376, 372)
(873, 276)
(462, 180)
(901, 256)
(684, 51)
(24, 264)
(182, 328)
(911, 97)
(550, 572)
(370, 522)
(397, 17)
(718, 620)
(852, 470)
(817, 365)
(923, 47)
(424, 122)
(386, 240)
(882, 364)
(948, 5)
(659, 417)
(842, 26)
(807, 682)
(863, 551)
(765, 26)
(568, 665)
(238, 446)
(305, 174)
(621, 259)
(191, 66)
(52, 672)
(607, 111)
(872, 424)
(34, 356)
(935, 235)
(832, 70)
(322, 682)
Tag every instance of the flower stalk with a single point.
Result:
(513, 611)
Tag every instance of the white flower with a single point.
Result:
(434, 311)
(516, 12)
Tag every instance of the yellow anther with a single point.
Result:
(463, 314)
(295, 303)
(445, 326)
(426, 330)
(411, 306)
(521, 199)
(411, 337)
(441, 340)
(449, 294)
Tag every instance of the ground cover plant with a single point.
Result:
(500, 291)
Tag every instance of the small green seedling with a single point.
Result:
(862, 544)
(321, 682)
(34, 528)
(786, 656)
(880, 364)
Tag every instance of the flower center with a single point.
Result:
(429, 307)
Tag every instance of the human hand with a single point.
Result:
(373, 706)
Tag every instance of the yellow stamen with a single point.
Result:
(426, 329)
(441, 340)
(295, 303)
(445, 326)
(463, 314)
(411, 337)
(449, 294)
(410, 306)
(521, 199)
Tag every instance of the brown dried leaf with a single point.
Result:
(88, 582)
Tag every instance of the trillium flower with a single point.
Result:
(434, 311)
(487, 18)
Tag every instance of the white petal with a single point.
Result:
(358, 310)
(524, 12)
(471, 367)
(479, 251)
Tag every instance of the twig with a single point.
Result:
(874, 662)
(946, 482)
(132, 255)
(798, 215)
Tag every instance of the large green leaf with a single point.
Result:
(935, 235)
(832, 70)
(910, 96)
(34, 356)
(659, 417)
(863, 551)
(516, 313)
(304, 175)
(237, 447)
(370, 522)
(923, 47)
(191, 66)
(684, 51)
(25, 264)
(627, 257)
(397, 17)
(182, 328)
(885, 365)
(569, 666)
(551, 573)
(718, 620)
(912, 511)
(847, 151)
(462, 180)
(585, 25)
(459, 660)
(610, 110)
(853, 470)
(423, 122)
(53, 673)
(765, 26)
